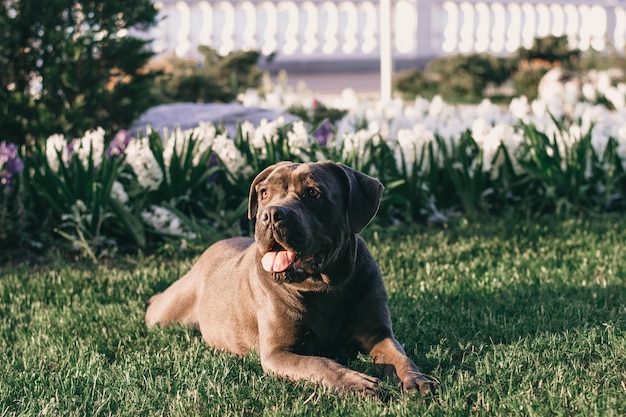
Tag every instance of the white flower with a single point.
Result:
(174, 143)
(615, 97)
(204, 136)
(348, 100)
(600, 135)
(92, 143)
(589, 92)
(118, 193)
(165, 221)
(519, 108)
(250, 98)
(412, 146)
(355, 142)
(480, 129)
(439, 109)
(54, 145)
(144, 164)
(298, 137)
(230, 156)
(266, 132)
(488, 111)
(571, 93)
(539, 108)
(247, 130)
(490, 143)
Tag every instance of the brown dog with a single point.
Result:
(304, 287)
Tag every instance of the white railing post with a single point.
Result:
(386, 50)
(424, 28)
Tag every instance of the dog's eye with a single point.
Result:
(313, 193)
(264, 194)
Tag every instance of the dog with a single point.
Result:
(303, 289)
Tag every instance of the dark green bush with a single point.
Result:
(467, 76)
(464, 78)
(526, 81)
(412, 83)
(552, 50)
(69, 66)
(219, 79)
(455, 77)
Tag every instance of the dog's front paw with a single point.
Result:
(359, 382)
(416, 381)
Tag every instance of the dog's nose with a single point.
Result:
(273, 215)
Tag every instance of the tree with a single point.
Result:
(67, 66)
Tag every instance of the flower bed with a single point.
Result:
(550, 155)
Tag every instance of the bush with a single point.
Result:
(219, 79)
(526, 81)
(414, 83)
(457, 78)
(550, 50)
(464, 78)
(67, 66)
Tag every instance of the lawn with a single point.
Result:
(511, 316)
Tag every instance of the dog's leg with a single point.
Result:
(177, 303)
(388, 353)
(278, 358)
(319, 370)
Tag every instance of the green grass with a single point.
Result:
(511, 317)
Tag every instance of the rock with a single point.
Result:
(189, 115)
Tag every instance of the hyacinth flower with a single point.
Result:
(10, 166)
(324, 133)
(118, 145)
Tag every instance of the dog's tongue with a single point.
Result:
(278, 261)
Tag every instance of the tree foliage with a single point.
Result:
(67, 66)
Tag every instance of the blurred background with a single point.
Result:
(307, 38)
(67, 66)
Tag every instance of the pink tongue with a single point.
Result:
(278, 261)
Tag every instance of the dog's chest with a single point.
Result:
(321, 328)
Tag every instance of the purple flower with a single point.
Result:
(118, 145)
(213, 161)
(10, 165)
(324, 133)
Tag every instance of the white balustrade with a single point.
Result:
(325, 30)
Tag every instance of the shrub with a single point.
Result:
(551, 50)
(412, 83)
(457, 78)
(464, 78)
(526, 81)
(219, 79)
(68, 66)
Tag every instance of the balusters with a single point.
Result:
(370, 27)
(335, 29)
(248, 24)
(310, 42)
(514, 31)
(270, 42)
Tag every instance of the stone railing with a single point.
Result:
(318, 31)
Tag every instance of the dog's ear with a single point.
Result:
(364, 194)
(252, 197)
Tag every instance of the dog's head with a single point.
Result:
(306, 213)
